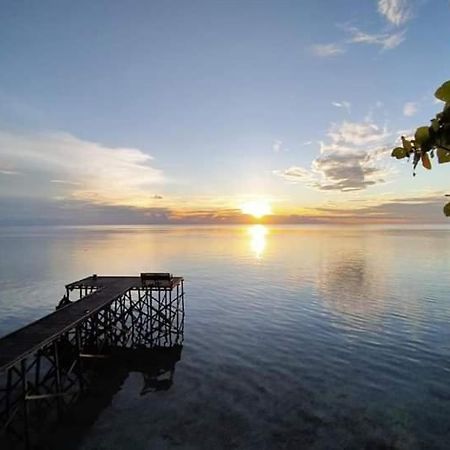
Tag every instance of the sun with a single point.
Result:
(257, 208)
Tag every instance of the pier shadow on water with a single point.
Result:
(156, 368)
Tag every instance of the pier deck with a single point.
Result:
(20, 343)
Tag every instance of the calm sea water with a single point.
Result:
(295, 337)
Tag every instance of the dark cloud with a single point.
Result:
(349, 162)
(404, 210)
(349, 171)
(31, 211)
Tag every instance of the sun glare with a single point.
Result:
(257, 208)
(258, 238)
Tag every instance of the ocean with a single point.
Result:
(295, 336)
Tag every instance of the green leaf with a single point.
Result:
(406, 145)
(399, 153)
(444, 138)
(435, 125)
(443, 156)
(447, 209)
(443, 92)
(426, 161)
(422, 135)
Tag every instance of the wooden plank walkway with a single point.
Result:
(27, 340)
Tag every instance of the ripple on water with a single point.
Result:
(323, 338)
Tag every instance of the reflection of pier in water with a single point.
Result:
(156, 367)
(126, 324)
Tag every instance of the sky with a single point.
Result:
(182, 112)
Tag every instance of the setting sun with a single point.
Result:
(257, 208)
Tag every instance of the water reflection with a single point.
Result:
(258, 239)
(365, 288)
(352, 286)
(157, 368)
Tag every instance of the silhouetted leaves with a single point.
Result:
(443, 92)
(399, 153)
(426, 161)
(430, 140)
(447, 209)
(422, 135)
(443, 155)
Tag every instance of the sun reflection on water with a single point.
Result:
(258, 239)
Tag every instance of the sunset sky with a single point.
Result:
(186, 111)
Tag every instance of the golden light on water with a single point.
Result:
(258, 239)
(257, 208)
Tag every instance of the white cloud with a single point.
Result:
(328, 50)
(71, 183)
(356, 134)
(6, 168)
(344, 104)
(350, 161)
(295, 174)
(374, 110)
(8, 172)
(409, 109)
(277, 146)
(387, 41)
(87, 170)
(396, 12)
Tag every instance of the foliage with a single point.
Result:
(430, 142)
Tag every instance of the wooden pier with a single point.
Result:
(43, 365)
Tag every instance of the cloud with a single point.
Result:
(349, 170)
(6, 168)
(373, 110)
(387, 41)
(356, 133)
(71, 183)
(32, 211)
(350, 161)
(344, 104)
(426, 208)
(85, 170)
(396, 12)
(409, 109)
(295, 174)
(328, 50)
(277, 146)
(8, 172)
